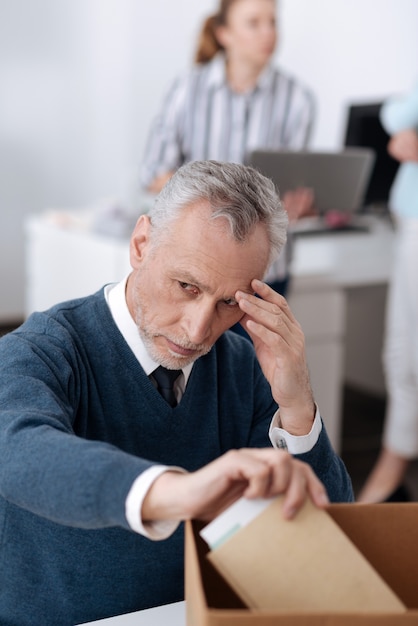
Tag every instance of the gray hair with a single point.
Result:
(238, 193)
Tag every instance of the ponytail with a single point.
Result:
(208, 45)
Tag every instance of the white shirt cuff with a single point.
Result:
(294, 444)
(155, 530)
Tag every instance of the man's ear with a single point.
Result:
(139, 241)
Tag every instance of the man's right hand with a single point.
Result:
(248, 472)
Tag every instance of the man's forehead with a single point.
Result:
(206, 253)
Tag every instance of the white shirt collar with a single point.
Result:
(116, 300)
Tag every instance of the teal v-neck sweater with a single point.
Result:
(79, 421)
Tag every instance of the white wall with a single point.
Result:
(349, 51)
(80, 81)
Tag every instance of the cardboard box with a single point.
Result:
(316, 567)
(386, 534)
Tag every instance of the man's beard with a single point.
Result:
(168, 359)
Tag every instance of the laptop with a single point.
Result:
(339, 181)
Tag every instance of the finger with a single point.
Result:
(258, 467)
(280, 340)
(265, 292)
(275, 472)
(259, 477)
(281, 473)
(267, 295)
(296, 493)
(215, 508)
(290, 476)
(212, 488)
(289, 346)
(273, 315)
(317, 490)
(269, 301)
(303, 483)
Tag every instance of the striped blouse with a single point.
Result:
(202, 118)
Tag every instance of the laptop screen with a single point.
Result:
(339, 179)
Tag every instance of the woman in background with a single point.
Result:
(232, 102)
(399, 117)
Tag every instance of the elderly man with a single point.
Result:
(104, 453)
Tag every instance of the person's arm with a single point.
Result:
(299, 202)
(252, 473)
(280, 347)
(400, 113)
(403, 146)
(163, 152)
(46, 468)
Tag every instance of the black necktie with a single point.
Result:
(165, 380)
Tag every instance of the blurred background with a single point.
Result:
(80, 81)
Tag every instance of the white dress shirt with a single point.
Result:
(116, 300)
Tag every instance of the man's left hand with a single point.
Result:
(280, 346)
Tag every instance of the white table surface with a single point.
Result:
(167, 615)
(351, 259)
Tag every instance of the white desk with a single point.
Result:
(332, 275)
(167, 615)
